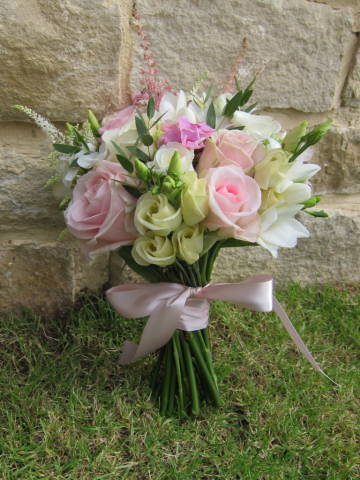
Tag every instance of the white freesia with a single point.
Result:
(89, 160)
(174, 106)
(261, 124)
(274, 171)
(165, 153)
(296, 193)
(280, 229)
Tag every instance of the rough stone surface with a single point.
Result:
(331, 254)
(24, 200)
(59, 57)
(301, 65)
(351, 95)
(354, 5)
(44, 275)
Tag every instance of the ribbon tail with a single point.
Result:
(296, 337)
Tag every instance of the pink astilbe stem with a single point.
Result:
(229, 84)
(151, 86)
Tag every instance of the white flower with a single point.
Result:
(280, 229)
(123, 137)
(175, 107)
(89, 160)
(163, 157)
(261, 124)
(294, 194)
(220, 102)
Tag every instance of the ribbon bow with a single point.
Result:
(173, 306)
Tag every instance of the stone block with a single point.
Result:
(351, 94)
(331, 254)
(60, 58)
(302, 47)
(45, 275)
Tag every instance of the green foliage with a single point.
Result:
(211, 116)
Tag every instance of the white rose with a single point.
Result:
(188, 242)
(154, 212)
(280, 229)
(165, 153)
(153, 249)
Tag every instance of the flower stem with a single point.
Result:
(195, 348)
(167, 378)
(182, 366)
(197, 271)
(157, 368)
(203, 265)
(170, 407)
(191, 375)
(178, 264)
(178, 372)
(206, 355)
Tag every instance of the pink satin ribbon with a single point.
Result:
(173, 306)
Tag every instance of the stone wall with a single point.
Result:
(62, 57)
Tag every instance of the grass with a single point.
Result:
(68, 411)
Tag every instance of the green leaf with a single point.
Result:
(74, 163)
(252, 106)
(208, 93)
(118, 149)
(158, 120)
(69, 149)
(80, 139)
(232, 242)
(140, 115)
(139, 154)
(148, 273)
(94, 124)
(140, 127)
(233, 105)
(135, 192)
(317, 214)
(246, 97)
(148, 140)
(133, 148)
(125, 163)
(151, 108)
(211, 116)
(237, 83)
(250, 85)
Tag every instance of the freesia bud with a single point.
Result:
(313, 137)
(94, 124)
(293, 137)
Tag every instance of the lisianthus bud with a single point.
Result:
(188, 242)
(94, 124)
(157, 135)
(175, 164)
(293, 137)
(153, 249)
(154, 212)
(194, 200)
(168, 179)
(142, 171)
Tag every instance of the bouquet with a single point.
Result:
(167, 183)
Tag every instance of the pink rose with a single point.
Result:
(98, 213)
(189, 134)
(118, 120)
(234, 199)
(228, 147)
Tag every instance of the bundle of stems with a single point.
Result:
(188, 372)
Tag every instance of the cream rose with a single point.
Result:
(188, 242)
(154, 212)
(194, 200)
(153, 249)
(165, 153)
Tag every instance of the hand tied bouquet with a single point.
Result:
(168, 182)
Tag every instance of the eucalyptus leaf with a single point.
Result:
(250, 85)
(74, 163)
(139, 154)
(133, 149)
(232, 242)
(125, 163)
(148, 273)
(118, 149)
(211, 116)
(158, 120)
(233, 105)
(208, 93)
(135, 192)
(252, 106)
(151, 108)
(69, 149)
(140, 127)
(147, 140)
(80, 139)
(237, 83)
(140, 115)
(246, 97)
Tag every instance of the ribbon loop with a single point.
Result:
(173, 306)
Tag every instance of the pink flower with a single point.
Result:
(118, 120)
(234, 199)
(228, 147)
(98, 213)
(189, 134)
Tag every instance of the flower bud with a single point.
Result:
(315, 135)
(157, 135)
(175, 164)
(194, 200)
(188, 242)
(153, 250)
(142, 171)
(94, 124)
(293, 137)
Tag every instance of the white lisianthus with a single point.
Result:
(261, 124)
(275, 171)
(165, 153)
(188, 242)
(280, 229)
(194, 199)
(153, 249)
(154, 212)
